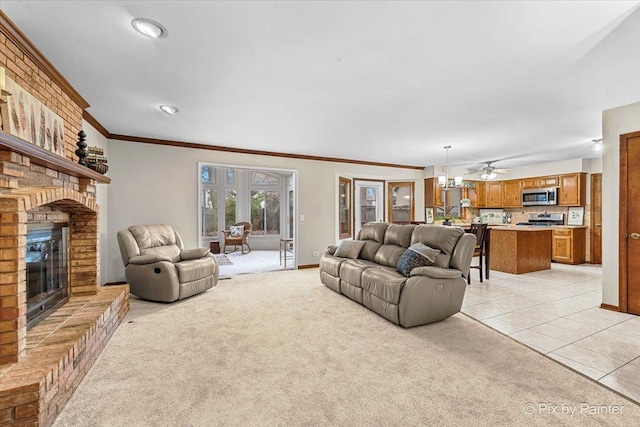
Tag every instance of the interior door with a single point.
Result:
(369, 202)
(629, 208)
(595, 252)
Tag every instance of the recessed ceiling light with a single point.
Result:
(149, 28)
(169, 109)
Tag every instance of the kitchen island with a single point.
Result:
(520, 249)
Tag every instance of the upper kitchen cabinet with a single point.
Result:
(540, 182)
(432, 193)
(511, 193)
(548, 181)
(530, 183)
(494, 194)
(481, 194)
(573, 189)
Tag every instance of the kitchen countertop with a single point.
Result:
(536, 227)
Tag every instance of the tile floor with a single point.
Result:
(556, 312)
(256, 261)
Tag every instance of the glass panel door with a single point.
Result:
(369, 203)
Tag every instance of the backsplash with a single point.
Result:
(519, 214)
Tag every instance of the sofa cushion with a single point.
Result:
(399, 235)
(349, 249)
(195, 269)
(351, 270)
(373, 231)
(331, 264)
(383, 283)
(369, 250)
(443, 238)
(150, 236)
(167, 252)
(389, 255)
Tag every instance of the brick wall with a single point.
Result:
(38, 83)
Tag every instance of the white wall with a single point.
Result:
(96, 139)
(158, 184)
(615, 122)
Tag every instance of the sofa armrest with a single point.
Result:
(436, 272)
(197, 253)
(146, 259)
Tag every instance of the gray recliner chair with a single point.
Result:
(158, 268)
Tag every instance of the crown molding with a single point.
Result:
(256, 152)
(9, 29)
(96, 124)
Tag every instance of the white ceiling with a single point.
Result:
(379, 81)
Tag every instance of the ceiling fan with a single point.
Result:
(490, 171)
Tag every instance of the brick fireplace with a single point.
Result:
(40, 368)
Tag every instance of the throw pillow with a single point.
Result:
(349, 249)
(408, 261)
(417, 255)
(429, 253)
(236, 230)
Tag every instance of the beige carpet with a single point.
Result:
(282, 349)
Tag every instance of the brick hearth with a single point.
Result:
(60, 351)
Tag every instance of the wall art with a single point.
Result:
(30, 120)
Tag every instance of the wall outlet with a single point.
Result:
(316, 254)
(301, 217)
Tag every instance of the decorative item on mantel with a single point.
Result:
(96, 160)
(81, 152)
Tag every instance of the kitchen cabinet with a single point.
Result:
(540, 182)
(481, 194)
(494, 194)
(573, 189)
(518, 250)
(568, 245)
(548, 181)
(511, 193)
(432, 193)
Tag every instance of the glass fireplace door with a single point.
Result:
(47, 269)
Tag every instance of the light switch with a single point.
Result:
(301, 217)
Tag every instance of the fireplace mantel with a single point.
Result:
(48, 159)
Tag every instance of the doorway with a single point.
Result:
(629, 237)
(369, 202)
(263, 198)
(595, 238)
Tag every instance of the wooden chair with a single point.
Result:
(236, 241)
(480, 231)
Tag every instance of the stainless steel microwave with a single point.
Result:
(540, 196)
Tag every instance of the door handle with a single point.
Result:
(598, 225)
(635, 236)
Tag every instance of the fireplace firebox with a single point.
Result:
(47, 269)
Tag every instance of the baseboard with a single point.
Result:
(302, 267)
(609, 307)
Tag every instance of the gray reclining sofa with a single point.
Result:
(369, 276)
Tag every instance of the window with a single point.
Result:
(401, 201)
(229, 195)
(265, 212)
(208, 175)
(209, 211)
(230, 207)
(344, 208)
(263, 179)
